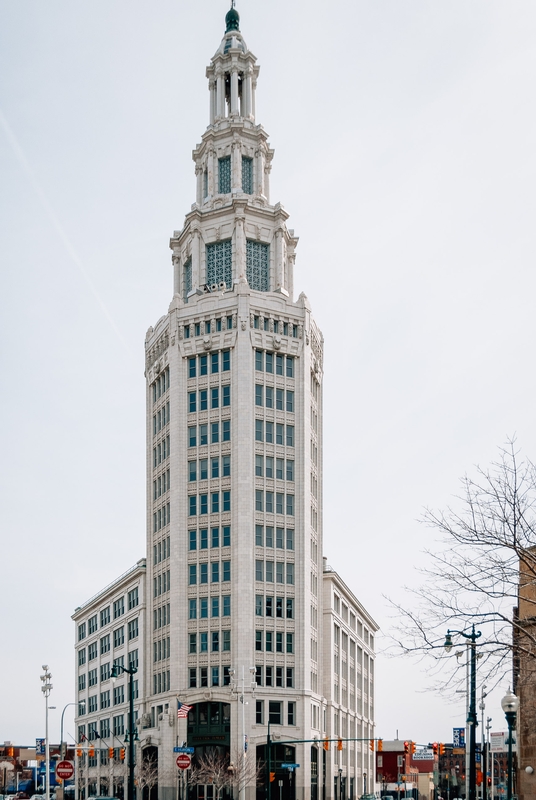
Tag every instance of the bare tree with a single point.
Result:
(212, 768)
(218, 769)
(147, 774)
(245, 771)
(488, 544)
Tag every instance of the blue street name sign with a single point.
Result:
(189, 750)
(290, 766)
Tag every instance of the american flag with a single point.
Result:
(182, 710)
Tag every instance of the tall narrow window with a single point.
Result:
(224, 175)
(257, 265)
(219, 263)
(187, 277)
(247, 175)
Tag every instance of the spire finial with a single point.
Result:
(232, 19)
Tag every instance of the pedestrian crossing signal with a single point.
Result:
(272, 777)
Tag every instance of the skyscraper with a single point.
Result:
(236, 589)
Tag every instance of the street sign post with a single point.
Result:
(65, 770)
(183, 761)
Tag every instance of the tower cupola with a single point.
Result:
(232, 18)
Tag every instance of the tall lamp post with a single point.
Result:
(46, 688)
(131, 735)
(483, 757)
(472, 721)
(242, 698)
(510, 704)
(62, 752)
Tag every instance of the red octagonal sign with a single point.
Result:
(64, 770)
(183, 761)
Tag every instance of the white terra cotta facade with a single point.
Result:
(235, 616)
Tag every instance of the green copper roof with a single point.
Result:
(232, 18)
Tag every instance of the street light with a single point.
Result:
(510, 704)
(62, 754)
(483, 755)
(472, 721)
(46, 688)
(131, 734)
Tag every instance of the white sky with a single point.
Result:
(404, 136)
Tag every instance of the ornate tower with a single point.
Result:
(234, 453)
(232, 613)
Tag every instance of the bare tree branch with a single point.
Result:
(474, 578)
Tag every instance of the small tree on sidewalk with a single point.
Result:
(245, 771)
(221, 772)
(147, 775)
(212, 768)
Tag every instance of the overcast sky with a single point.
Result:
(405, 138)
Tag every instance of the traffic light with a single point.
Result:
(339, 744)
(10, 752)
(371, 745)
(489, 781)
(406, 747)
(326, 744)
(122, 754)
(79, 752)
(441, 749)
(434, 748)
(412, 748)
(110, 752)
(380, 745)
(91, 751)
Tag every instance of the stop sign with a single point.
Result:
(65, 770)
(183, 761)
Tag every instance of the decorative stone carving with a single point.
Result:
(271, 325)
(207, 342)
(277, 342)
(235, 319)
(251, 320)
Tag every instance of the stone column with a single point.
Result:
(240, 250)
(234, 93)
(236, 167)
(212, 109)
(220, 96)
(259, 156)
(199, 183)
(279, 279)
(210, 173)
(253, 87)
(175, 258)
(196, 259)
(267, 170)
(247, 94)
